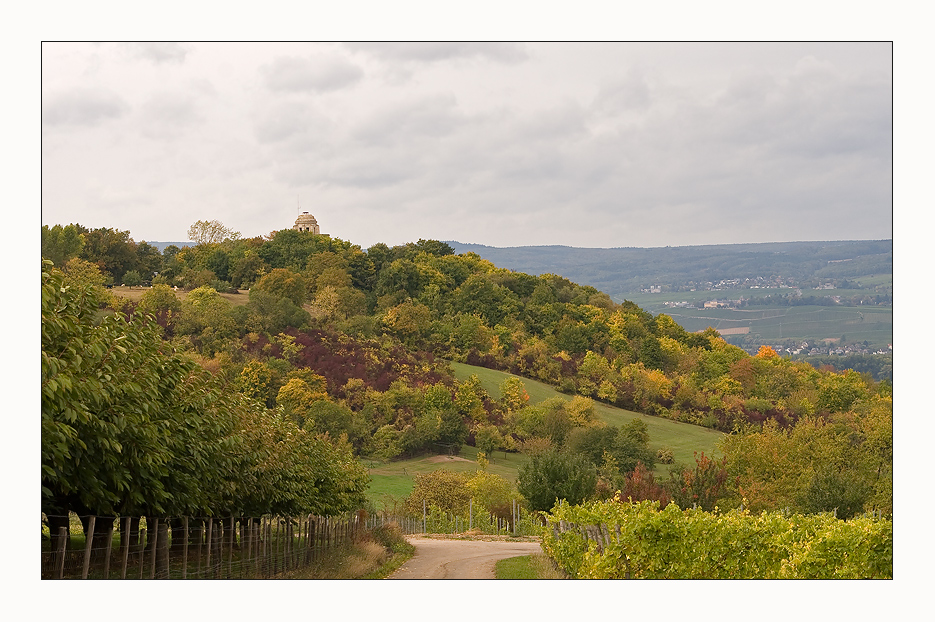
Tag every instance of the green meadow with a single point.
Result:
(392, 481)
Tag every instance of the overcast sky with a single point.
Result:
(591, 145)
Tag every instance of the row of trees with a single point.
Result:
(131, 427)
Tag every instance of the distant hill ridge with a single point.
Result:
(620, 271)
(627, 270)
(162, 245)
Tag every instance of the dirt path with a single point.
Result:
(459, 559)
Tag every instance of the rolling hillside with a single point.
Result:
(391, 481)
(623, 271)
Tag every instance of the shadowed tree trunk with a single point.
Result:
(98, 539)
(178, 533)
(162, 550)
(131, 539)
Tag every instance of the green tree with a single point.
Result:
(554, 475)
(491, 492)
(409, 321)
(296, 398)
(469, 399)
(282, 283)
(162, 303)
(132, 278)
(112, 250)
(446, 490)
(487, 439)
(148, 260)
(258, 381)
(118, 415)
(839, 392)
(513, 394)
(81, 274)
(273, 314)
(59, 244)
(401, 279)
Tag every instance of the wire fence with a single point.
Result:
(129, 547)
(475, 520)
(95, 547)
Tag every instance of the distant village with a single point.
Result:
(759, 282)
(829, 348)
(773, 282)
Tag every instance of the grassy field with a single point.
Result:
(527, 567)
(392, 481)
(684, 439)
(136, 293)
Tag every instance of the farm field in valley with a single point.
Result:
(809, 323)
(773, 323)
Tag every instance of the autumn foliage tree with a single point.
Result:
(130, 427)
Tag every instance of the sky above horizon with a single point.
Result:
(588, 145)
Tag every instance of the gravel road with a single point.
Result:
(459, 559)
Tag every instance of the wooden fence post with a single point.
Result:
(286, 542)
(62, 542)
(255, 537)
(126, 549)
(87, 547)
(230, 556)
(268, 546)
(201, 537)
(208, 561)
(142, 549)
(279, 543)
(165, 551)
(155, 531)
(110, 544)
(310, 544)
(219, 564)
(185, 548)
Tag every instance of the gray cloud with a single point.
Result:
(632, 92)
(410, 121)
(169, 115)
(288, 122)
(316, 73)
(82, 107)
(160, 52)
(430, 52)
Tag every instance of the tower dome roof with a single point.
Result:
(306, 222)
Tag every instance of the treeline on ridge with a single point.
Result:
(350, 345)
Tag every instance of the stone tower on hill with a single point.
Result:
(306, 222)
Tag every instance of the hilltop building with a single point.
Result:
(306, 222)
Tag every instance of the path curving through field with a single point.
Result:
(459, 559)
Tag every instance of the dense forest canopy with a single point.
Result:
(339, 351)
